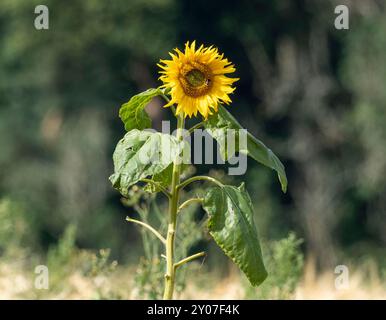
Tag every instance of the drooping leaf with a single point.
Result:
(217, 126)
(143, 153)
(133, 113)
(231, 225)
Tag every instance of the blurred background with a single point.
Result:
(314, 94)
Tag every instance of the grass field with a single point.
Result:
(83, 274)
(17, 283)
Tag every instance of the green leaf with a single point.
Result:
(133, 113)
(231, 225)
(143, 153)
(164, 178)
(217, 126)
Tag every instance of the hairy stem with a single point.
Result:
(173, 206)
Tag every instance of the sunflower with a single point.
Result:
(197, 79)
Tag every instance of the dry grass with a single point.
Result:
(364, 283)
(18, 283)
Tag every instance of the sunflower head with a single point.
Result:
(197, 79)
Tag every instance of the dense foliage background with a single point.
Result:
(314, 94)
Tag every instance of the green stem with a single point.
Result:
(199, 178)
(188, 259)
(196, 126)
(173, 206)
(188, 202)
(149, 227)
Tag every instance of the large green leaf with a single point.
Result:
(231, 225)
(217, 126)
(143, 153)
(133, 113)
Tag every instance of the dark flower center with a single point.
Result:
(195, 78)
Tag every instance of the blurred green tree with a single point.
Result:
(313, 92)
